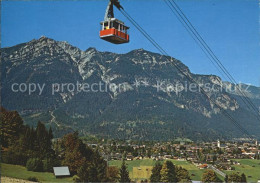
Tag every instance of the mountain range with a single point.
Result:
(138, 95)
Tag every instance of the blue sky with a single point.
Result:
(230, 27)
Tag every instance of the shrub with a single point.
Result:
(33, 179)
(49, 163)
(76, 178)
(34, 164)
(15, 158)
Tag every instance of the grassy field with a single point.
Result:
(250, 167)
(20, 172)
(148, 163)
(142, 169)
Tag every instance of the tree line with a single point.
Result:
(168, 172)
(36, 149)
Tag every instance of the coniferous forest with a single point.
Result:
(36, 149)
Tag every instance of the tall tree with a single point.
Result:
(50, 151)
(44, 144)
(74, 157)
(235, 177)
(84, 173)
(27, 139)
(50, 134)
(11, 126)
(124, 174)
(168, 172)
(101, 167)
(210, 176)
(113, 174)
(93, 174)
(156, 173)
(182, 174)
(82, 160)
(243, 177)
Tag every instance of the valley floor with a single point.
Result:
(250, 167)
(138, 170)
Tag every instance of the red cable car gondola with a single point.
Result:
(112, 29)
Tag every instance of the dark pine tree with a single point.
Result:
(101, 167)
(168, 172)
(182, 174)
(93, 174)
(124, 174)
(156, 175)
(50, 134)
(44, 143)
(41, 139)
(243, 177)
(50, 152)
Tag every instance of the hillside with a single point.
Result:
(137, 95)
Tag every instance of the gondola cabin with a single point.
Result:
(114, 31)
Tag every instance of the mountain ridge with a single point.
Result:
(136, 113)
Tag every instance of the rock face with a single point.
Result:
(137, 95)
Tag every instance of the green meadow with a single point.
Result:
(20, 172)
(195, 173)
(250, 167)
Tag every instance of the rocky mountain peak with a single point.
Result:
(42, 42)
(91, 49)
(139, 51)
(35, 48)
(44, 38)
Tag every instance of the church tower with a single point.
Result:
(218, 144)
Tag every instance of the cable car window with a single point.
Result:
(115, 25)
